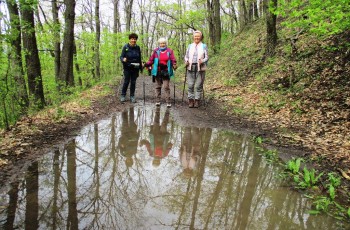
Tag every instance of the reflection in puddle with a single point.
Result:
(140, 170)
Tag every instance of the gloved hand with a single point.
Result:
(174, 66)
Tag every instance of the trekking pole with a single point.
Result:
(205, 103)
(183, 90)
(174, 87)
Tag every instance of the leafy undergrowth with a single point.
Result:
(304, 95)
(51, 121)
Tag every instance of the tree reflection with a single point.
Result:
(72, 221)
(11, 210)
(32, 202)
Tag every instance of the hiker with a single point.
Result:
(190, 150)
(159, 146)
(164, 62)
(131, 59)
(129, 137)
(195, 59)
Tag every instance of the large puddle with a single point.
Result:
(141, 170)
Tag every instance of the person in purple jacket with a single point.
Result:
(164, 64)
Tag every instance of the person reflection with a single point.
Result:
(190, 150)
(129, 137)
(159, 146)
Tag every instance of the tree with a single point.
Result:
(128, 13)
(56, 31)
(214, 20)
(31, 53)
(231, 13)
(16, 57)
(97, 39)
(271, 32)
(66, 69)
(116, 16)
(243, 15)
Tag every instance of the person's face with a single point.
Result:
(162, 44)
(132, 41)
(197, 38)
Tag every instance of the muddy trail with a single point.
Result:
(139, 166)
(32, 137)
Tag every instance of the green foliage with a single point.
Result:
(333, 183)
(258, 140)
(308, 179)
(271, 155)
(110, 47)
(304, 179)
(321, 17)
(322, 204)
(334, 180)
(294, 165)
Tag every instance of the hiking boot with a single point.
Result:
(122, 98)
(196, 103)
(190, 103)
(132, 99)
(157, 103)
(168, 105)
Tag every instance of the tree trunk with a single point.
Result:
(66, 70)
(128, 13)
(97, 39)
(250, 12)
(77, 68)
(271, 32)
(116, 26)
(16, 55)
(35, 83)
(255, 9)
(214, 21)
(56, 29)
(243, 14)
(233, 17)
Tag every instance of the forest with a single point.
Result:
(277, 66)
(53, 49)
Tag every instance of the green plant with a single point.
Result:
(320, 17)
(333, 179)
(271, 155)
(258, 140)
(331, 191)
(294, 165)
(333, 182)
(309, 178)
(321, 204)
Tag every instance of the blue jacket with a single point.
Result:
(132, 55)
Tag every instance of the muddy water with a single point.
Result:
(141, 170)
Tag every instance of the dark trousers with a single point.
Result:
(130, 76)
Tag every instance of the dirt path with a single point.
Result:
(33, 137)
